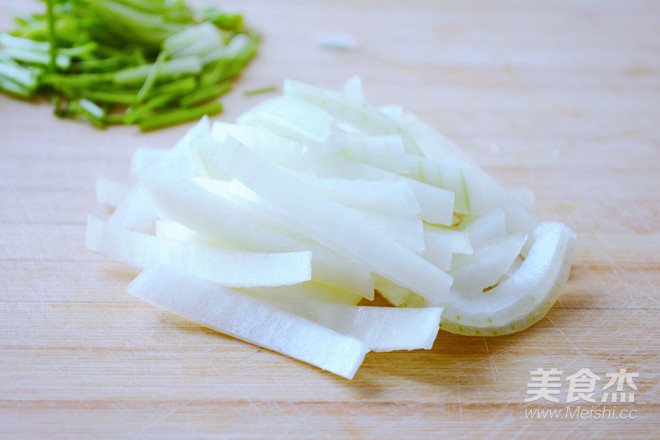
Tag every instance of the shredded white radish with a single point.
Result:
(292, 118)
(245, 317)
(309, 204)
(222, 221)
(331, 224)
(349, 109)
(232, 268)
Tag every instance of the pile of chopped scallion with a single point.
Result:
(153, 63)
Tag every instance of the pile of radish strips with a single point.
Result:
(274, 229)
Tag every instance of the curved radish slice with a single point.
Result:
(231, 268)
(331, 224)
(244, 317)
(525, 296)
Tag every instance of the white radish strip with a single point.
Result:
(291, 118)
(437, 204)
(307, 291)
(433, 144)
(449, 174)
(172, 230)
(439, 249)
(135, 211)
(525, 296)
(109, 192)
(486, 194)
(331, 224)
(408, 232)
(379, 328)
(387, 152)
(329, 267)
(394, 112)
(145, 157)
(353, 88)
(487, 227)
(279, 149)
(187, 157)
(221, 220)
(460, 242)
(487, 265)
(359, 114)
(231, 268)
(246, 318)
(393, 293)
(389, 197)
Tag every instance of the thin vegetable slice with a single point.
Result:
(378, 328)
(232, 268)
(525, 296)
(245, 317)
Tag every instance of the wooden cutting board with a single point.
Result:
(561, 97)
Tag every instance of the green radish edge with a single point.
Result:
(516, 324)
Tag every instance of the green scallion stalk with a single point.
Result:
(145, 62)
(179, 116)
(52, 38)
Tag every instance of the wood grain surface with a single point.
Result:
(562, 97)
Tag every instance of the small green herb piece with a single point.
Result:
(260, 91)
(144, 62)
